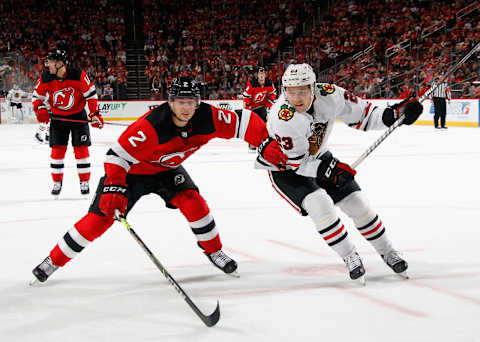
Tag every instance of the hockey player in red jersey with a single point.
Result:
(64, 91)
(259, 95)
(147, 159)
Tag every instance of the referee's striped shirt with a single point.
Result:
(442, 90)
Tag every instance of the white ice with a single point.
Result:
(424, 183)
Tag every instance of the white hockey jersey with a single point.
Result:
(15, 96)
(293, 129)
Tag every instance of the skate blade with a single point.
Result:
(234, 274)
(34, 282)
(361, 280)
(55, 197)
(404, 275)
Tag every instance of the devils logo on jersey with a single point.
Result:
(174, 159)
(259, 97)
(64, 99)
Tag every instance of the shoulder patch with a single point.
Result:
(286, 113)
(326, 88)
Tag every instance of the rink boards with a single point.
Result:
(460, 112)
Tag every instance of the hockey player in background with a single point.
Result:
(315, 181)
(14, 97)
(64, 91)
(259, 95)
(147, 159)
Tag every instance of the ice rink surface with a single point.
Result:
(424, 183)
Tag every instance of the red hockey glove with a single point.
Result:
(114, 196)
(270, 150)
(333, 171)
(96, 119)
(42, 115)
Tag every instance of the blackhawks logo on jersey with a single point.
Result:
(319, 129)
(326, 88)
(286, 113)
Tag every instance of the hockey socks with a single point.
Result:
(196, 211)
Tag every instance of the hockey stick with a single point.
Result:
(88, 121)
(209, 320)
(421, 98)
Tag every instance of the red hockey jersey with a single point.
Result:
(256, 95)
(65, 96)
(153, 143)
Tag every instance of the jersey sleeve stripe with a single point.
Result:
(244, 120)
(91, 93)
(365, 116)
(122, 153)
(111, 159)
(246, 94)
(237, 123)
(38, 96)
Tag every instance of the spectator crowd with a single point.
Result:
(377, 48)
(91, 31)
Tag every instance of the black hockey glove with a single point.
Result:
(333, 171)
(412, 111)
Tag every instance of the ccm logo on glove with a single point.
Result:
(114, 189)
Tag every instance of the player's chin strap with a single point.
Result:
(209, 320)
(426, 94)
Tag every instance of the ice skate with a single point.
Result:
(39, 138)
(43, 271)
(84, 188)
(396, 263)
(355, 267)
(224, 262)
(252, 149)
(57, 187)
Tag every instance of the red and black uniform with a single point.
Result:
(259, 98)
(147, 159)
(65, 99)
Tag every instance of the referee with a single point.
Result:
(439, 94)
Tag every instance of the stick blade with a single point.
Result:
(212, 319)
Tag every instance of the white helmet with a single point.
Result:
(298, 75)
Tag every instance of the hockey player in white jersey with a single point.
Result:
(301, 120)
(14, 97)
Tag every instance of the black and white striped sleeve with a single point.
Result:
(118, 156)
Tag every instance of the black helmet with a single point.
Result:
(260, 69)
(58, 55)
(184, 87)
